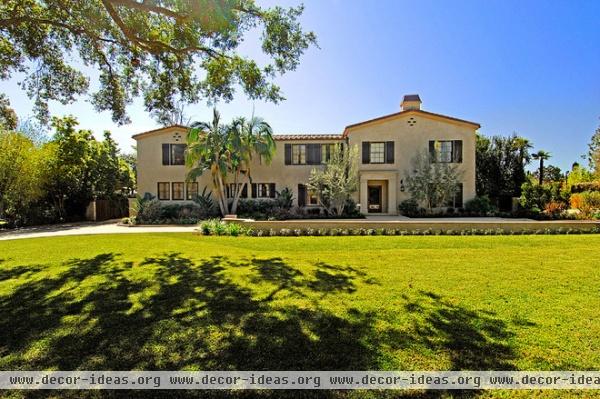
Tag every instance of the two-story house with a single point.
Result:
(387, 147)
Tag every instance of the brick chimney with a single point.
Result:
(410, 101)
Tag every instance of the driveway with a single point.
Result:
(108, 227)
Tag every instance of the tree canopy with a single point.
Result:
(227, 150)
(167, 51)
(335, 183)
(594, 153)
(501, 165)
(432, 183)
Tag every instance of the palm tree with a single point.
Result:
(522, 145)
(207, 149)
(541, 155)
(227, 151)
(248, 137)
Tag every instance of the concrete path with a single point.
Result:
(108, 227)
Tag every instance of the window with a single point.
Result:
(173, 154)
(231, 190)
(191, 191)
(163, 191)
(326, 151)
(263, 190)
(446, 151)
(312, 198)
(443, 150)
(377, 153)
(177, 191)
(298, 154)
(457, 199)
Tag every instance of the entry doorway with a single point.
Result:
(375, 199)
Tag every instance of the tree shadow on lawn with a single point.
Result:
(97, 315)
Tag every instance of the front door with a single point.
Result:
(374, 202)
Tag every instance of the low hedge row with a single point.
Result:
(233, 229)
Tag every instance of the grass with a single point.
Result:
(177, 301)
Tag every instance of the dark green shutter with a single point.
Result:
(457, 151)
(288, 154)
(432, 150)
(272, 190)
(245, 191)
(389, 152)
(366, 152)
(253, 190)
(301, 195)
(166, 154)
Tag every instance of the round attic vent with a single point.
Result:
(411, 121)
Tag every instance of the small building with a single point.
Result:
(387, 145)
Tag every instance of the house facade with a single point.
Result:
(387, 146)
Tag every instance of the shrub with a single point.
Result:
(170, 211)
(554, 208)
(585, 186)
(257, 208)
(234, 229)
(479, 205)
(148, 209)
(219, 228)
(207, 206)
(285, 199)
(588, 202)
(351, 209)
(577, 201)
(409, 207)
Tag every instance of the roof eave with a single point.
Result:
(417, 111)
(160, 129)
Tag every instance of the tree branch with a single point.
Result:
(144, 6)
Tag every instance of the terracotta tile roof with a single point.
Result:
(418, 111)
(303, 136)
(308, 136)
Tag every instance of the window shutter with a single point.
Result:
(313, 154)
(272, 190)
(432, 150)
(389, 152)
(458, 197)
(253, 190)
(457, 151)
(245, 191)
(301, 195)
(366, 152)
(317, 152)
(166, 154)
(288, 154)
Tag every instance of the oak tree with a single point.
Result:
(166, 51)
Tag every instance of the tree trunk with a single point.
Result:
(237, 192)
(218, 192)
(222, 196)
(541, 171)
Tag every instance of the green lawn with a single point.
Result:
(178, 301)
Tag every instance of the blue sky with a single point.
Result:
(531, 67)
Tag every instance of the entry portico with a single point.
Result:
(377, 191)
